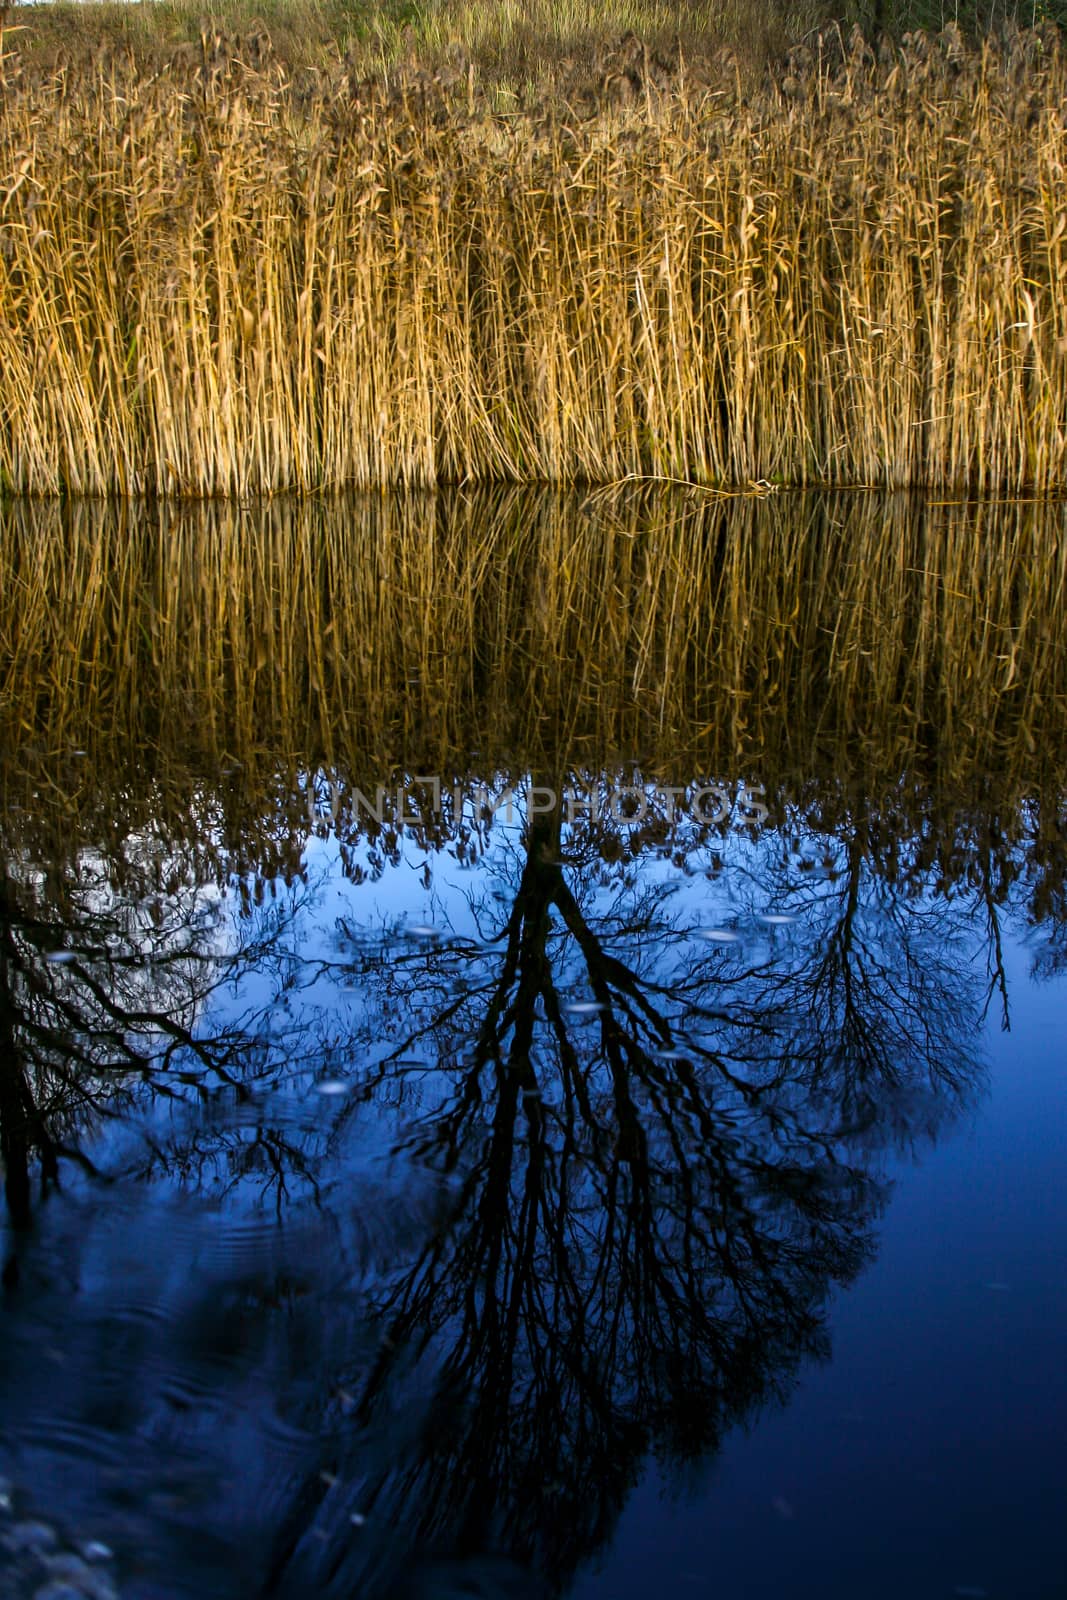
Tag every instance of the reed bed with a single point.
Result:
(218, 279)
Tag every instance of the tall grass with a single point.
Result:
(217, 280)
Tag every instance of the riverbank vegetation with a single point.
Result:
(224, 274)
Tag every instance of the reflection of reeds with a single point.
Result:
(866, 632)
(214, 282)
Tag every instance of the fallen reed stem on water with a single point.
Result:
(217, 279)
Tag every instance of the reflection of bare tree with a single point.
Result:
(874, 991)
(644, 1154)
(652, 1193)
(985, 867)
(100, 997)
(1043, 870)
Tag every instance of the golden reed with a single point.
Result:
(219, 279)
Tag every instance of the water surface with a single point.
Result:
(531, 1048)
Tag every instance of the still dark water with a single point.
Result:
(501, 1126)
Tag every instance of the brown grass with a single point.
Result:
(223, 279)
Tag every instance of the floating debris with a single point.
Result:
(95, 1550)
(331, 1086)
(717, 935)
(585, 1008)
(776, 919)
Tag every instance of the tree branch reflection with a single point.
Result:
(592, 1155)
